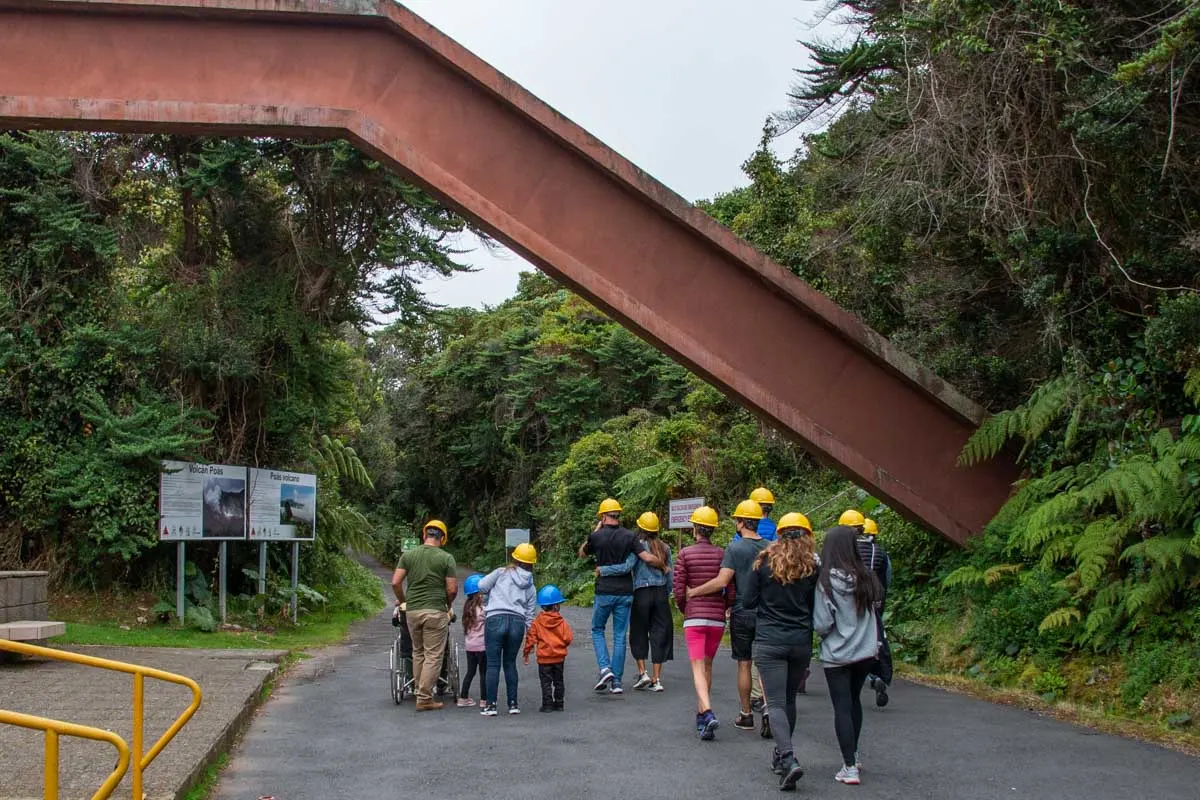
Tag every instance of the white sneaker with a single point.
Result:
(656, 687)
(848, 776)
(514, 710)
(643, 680)
(615, 688)
(606, 675)
(489, 711)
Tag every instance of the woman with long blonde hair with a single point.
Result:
(780, 591)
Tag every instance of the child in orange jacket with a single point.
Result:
(551, 635)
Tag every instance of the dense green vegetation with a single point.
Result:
(194, 299)
(1009, 191)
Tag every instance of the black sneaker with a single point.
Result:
(707, 726)
(559, 707)
(777, 762)
(792, 773)
(546, 709)
(765, 732)
(757, 705)
(606, 677)
(744, 721)
(881, 696)
(489, 710)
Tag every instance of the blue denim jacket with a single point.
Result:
(643, 574)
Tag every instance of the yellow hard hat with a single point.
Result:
(648, 522)
(793, 519)
(436, 523)
(608, 506)
(748, 509)
(706, 516)
(852, 518)
(763, 495)
(869, 527)
(525, 553)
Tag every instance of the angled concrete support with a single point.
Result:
(376, 73)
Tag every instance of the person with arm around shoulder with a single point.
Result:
(703, 615)
(510, 608)
(781, 592)
(431, 576)
(844, 616)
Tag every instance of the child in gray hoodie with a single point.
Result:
(847, 597)
(511, 607)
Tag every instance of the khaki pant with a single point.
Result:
(428, 630)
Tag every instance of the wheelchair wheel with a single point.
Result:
(397, 673)
(453, 679)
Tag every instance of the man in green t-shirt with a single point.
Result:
(432, 586)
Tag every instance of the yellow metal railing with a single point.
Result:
(54, 729)
(138, 760)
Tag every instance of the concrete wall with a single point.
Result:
(23, 596)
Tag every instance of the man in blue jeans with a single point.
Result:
(610, 544)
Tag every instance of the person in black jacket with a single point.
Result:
(780, 592)
(877, 560)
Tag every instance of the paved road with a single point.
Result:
(338, 735)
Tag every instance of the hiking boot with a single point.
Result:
(848, 776)
(606, 675)
(514, 709)
(614, 687)
(655, 687)
(792, 772)
(643, 681)
(489, 710)
(707, 726)
(465, 702)
(881, 695)
(757, 704)
(765, 731)
(744, 721)
(431, 706)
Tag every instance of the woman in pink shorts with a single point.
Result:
(703, 617)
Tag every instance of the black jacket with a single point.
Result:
(785, 611)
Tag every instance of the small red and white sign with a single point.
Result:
(680, 510)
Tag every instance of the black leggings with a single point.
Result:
(651, 627)
(475, 661)
(845, 685)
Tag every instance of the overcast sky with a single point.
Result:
(679, 87)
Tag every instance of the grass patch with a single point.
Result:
(124, 620)
(208, 780)
(1106, 720)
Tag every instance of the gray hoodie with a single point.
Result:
(510, 591)
(846, 635)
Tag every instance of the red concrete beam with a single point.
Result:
(376, 73)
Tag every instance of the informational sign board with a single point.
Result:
(678, 512)
(283, 505)
(409, 543)
(515, 536)
(201, 502)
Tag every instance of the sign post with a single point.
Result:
(295, 578)
(678, 514)
(222, 559)
(180, 560)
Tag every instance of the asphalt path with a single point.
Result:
(332, 731)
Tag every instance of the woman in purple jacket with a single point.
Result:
(703, 617)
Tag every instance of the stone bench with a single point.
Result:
(24, 607)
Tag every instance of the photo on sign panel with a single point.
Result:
(297, 505)
(224, 508)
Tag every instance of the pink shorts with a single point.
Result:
(703, 640)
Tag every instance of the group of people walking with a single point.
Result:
(770, 586)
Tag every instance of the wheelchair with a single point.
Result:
(400, 665)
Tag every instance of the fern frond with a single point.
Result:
(1059, 618)
(991, 436)
(963, 576)
(1191, 385)
(1097, 548)
(1164, 552)
(993, 575)
(1188, 448)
